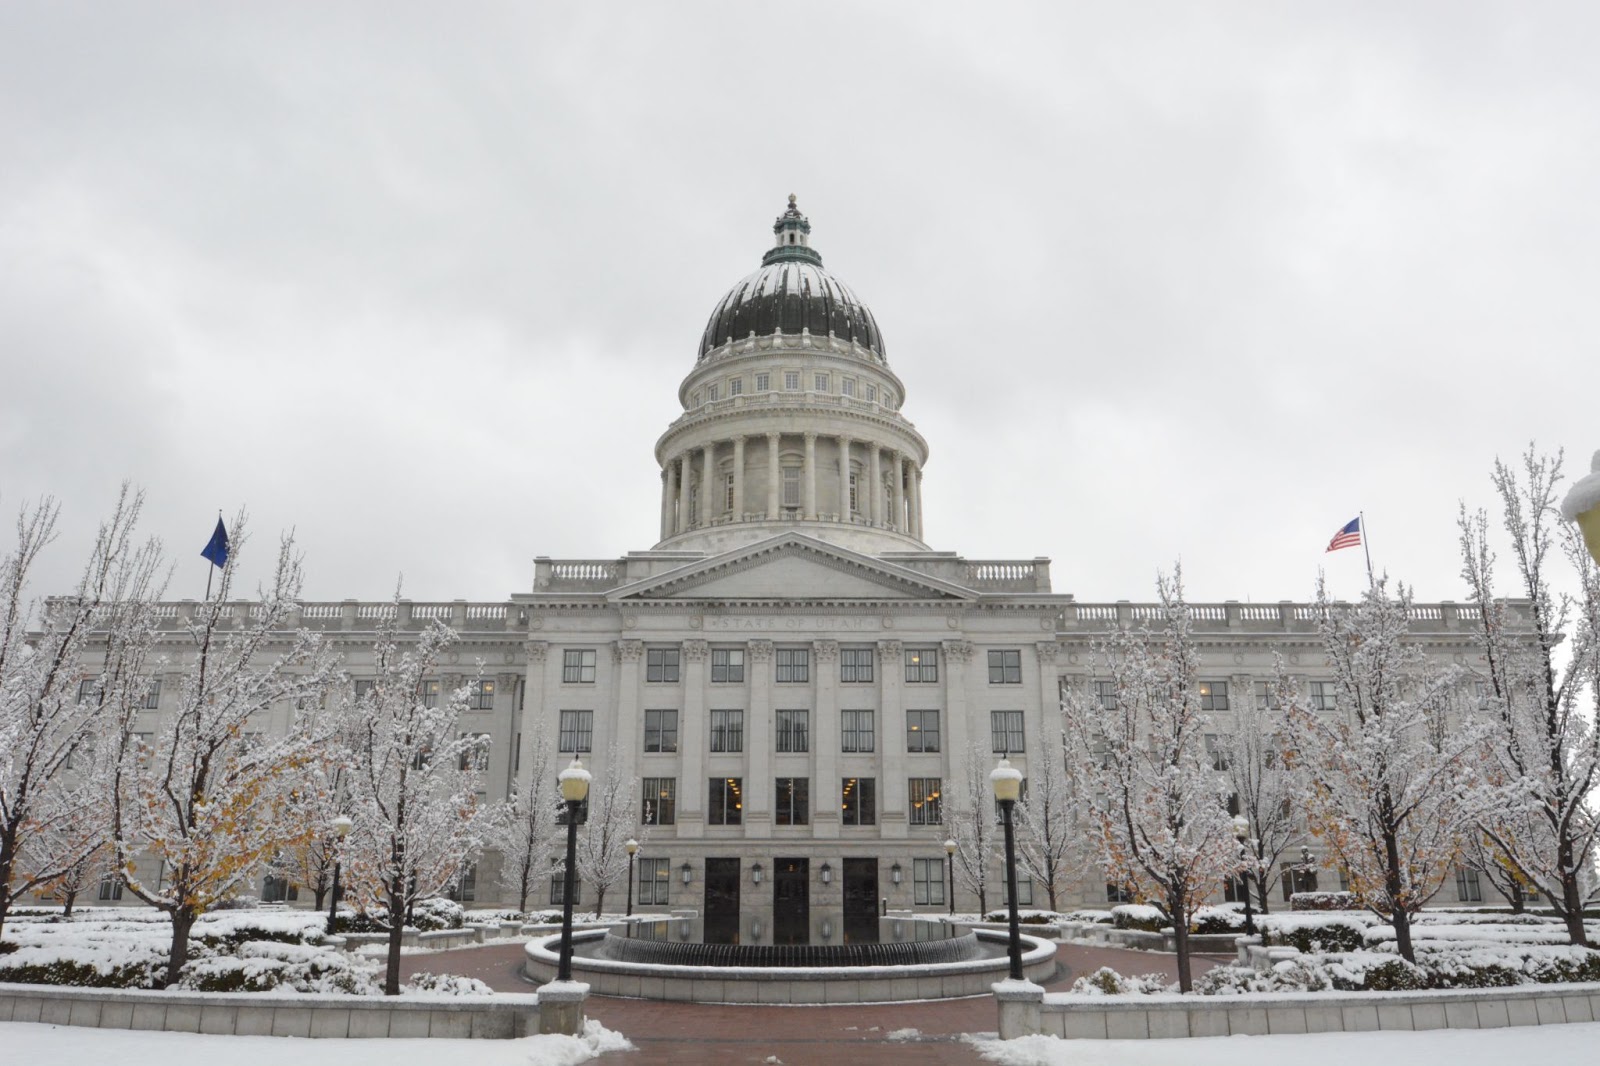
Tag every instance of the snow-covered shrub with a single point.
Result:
(140, 974)
(445, 984)
(1301, 974)
(1024, 917)
(1099, 917)
(261, 966)
(432, 914)
(1107, 982)
(1324, 901)
(238, 903)
(1224, 919)
(1139, 916)
(1314, 935)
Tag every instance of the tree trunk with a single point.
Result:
(1572, 906)
(1519, 902)
(599, 900)
(72, 897)
(1261, 890)
(522, 900)
(321, 892)
(391, 973)
(1180, 938)
(983, 903)
(1402, 934)
(182, 921)
(1050, 886)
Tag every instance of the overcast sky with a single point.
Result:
(420, 281)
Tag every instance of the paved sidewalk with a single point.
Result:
(699, 1034)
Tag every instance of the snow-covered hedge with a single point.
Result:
(1324, 901)
(1107, 982)
(1313, 933)
(1139, 916)
(1227, 918)
(1098, 917)
(1025, 916)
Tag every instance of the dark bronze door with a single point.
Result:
(722, 901)
(861, 901)
(791, 901)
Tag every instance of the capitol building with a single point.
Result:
(797, 670)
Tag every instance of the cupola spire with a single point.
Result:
(793, 233)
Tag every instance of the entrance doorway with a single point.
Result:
(861, 901)
(722, 901)
(791, 901)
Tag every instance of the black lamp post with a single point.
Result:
(1007, 782)
(574, 781)
(1241, 830)
(341, 829)
(633, 849)
(950, 857)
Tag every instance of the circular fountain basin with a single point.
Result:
(957, 963)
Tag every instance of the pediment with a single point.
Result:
(793, 567)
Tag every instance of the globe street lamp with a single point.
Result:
(1582, 505)
(633, 849)
(1241, 830)
(950, 855)
(341, 829)
(574, 782)
(1007, 782)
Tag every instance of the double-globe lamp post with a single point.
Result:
(1007, 782)
(950, 858)
(341, 829)
(1241, 829)
(574, 782)
(633, 849)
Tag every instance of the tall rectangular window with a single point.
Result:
(727, 731)
(855, 731)
(1216, 752)
(872, 394)
(430, 693)
(791, 380)
(1322, 695)
(482, 696)
(727, 492)
(725, 801)
(477, 756)
(793, 731)
(1469, 889)
(847, 386)
(858, 801)
(558, 887)
(922, 731)
(727, 665)
(922, 665)
(655, 878)
(792, 801)
(577, 731)
(152, 694)
(659, 804)
(661, 664)
(794, 665)
(365, 687)
(791, 487)
(1005, 667)
(1267, 695)
(855, 665)
(821, 383)
(1105, 693)
(924, 794)
(1213, 695)
(736, 387)
(577, 666)
(855, 493)
(712, 392)
(110, 887)
(927, 881)
(763, 382)
(1006, 730)
(660, 731)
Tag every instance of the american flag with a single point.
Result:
(1348, 537)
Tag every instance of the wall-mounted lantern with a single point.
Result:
(895, 873)
(827, 874)
(687, 872)
(755, 873)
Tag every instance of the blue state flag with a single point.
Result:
(216, 548)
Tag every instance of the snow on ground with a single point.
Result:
(1458, 1047)
(29, 1042)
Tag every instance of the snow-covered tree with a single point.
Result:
(528, 837)
(58, 687)
(1537, 808)
(413, 785)
(613, 818)
(310, 862)
(1250, 758)
(1387, 782)
(1050, 817)
(215, 794)
(969, 812)
(1156, 808)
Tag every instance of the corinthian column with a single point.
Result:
(738, 478)
(844, 479)
(708, 473)
(772, 477)
(897, 490)
(811, 477)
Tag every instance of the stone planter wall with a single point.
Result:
(1025, 1010)
(500, 1017)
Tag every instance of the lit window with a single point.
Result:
(793, 731)
(924, 794)
(793, 801)
(1213, 695)
(922, 731)
(727, 665)
(1006, 730)
(661, 664)
(660, 802)
(727, 731)
(855, 731)
(660, 731)
(922, 665)
(858, 801)
(577, 731)
(577, 666)
(725, 802)
(482, 695)
(1005, 667)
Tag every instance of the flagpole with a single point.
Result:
(211, 567)
(1366, 547)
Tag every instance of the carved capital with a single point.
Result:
(761, 651)
(958, 651)
(696, 650)
(538, 650)
(889, 651)
(1047, 650)
(629, 651)
(827, 650)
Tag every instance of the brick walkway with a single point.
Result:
(697, 1034)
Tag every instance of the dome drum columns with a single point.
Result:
(697, 498)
